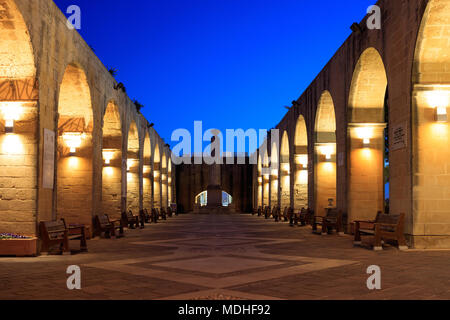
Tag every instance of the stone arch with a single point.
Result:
(147, 173)
(75, 148)
(366, 134)
(112, 161)
(274, 164)
(133, 168)
(285, 171)
(157, 177)
(164, 193)
(259, 195)
(325, 154)
(169, 178)
(301, 165)
(430, 222)
(19, 95)
(266, 177)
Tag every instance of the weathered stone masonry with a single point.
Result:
(51, 79)
(404, 67)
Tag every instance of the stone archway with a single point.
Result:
(156, 177)
(301, 161)
(75, 149)
(366, 135)
(274, 173)
(19, 94)
(429, 224)
(325, 154)
(133, 168)
(285, 171)
(112, 159)
(147, 173)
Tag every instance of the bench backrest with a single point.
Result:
(334, 214)
(394, 219)
(53, 229)
(103, 220)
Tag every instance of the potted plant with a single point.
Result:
(17, 245)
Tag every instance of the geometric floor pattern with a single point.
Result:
(228, 257)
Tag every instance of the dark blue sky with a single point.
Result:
(230, 63)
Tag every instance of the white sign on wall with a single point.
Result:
(48, 169)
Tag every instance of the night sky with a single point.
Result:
(229, 63)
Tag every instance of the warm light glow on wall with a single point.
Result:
(11, 112)
(439, 99)
(163, 177)
(303, 177)
(169, 180)
(156, 174)
(108, 155)
(12, 145)
(73, 162)
(109, 171)
(73, 140)
(275, 172)
(147, 169)
(266, 177)
(260, 180)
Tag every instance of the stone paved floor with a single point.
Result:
(228, 257)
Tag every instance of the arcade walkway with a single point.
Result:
(227, 257)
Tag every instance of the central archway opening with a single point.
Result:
(368, 138)
(75, 149)
(201, 199)
(325, 155)
(112, 159)
(285, 171)
(146, 173)
(19, 132)
(133, 169)
(301, 161)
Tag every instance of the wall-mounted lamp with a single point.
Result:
(73, 140)
(108, 155)
(130, 163)
(302, 161)
(327, 151)
(439, 99)
(169, 180)
(156, 174)
(11, 112)
(285, 168)
(365, 133)
(259, 179)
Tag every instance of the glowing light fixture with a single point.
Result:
(365, 133)
(302, 160)
(130, 163)
(327, 151)
(108, 155)
(259, 179)
(11, 112)
(439, 99)
(73, 140)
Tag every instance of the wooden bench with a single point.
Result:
(384, 227)
(129, 220)
(56, 233)
(267, 212)
(163, 213)
(155, 215)
(306, 216)
(333, 220)
(285, 214)
(104, 225)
